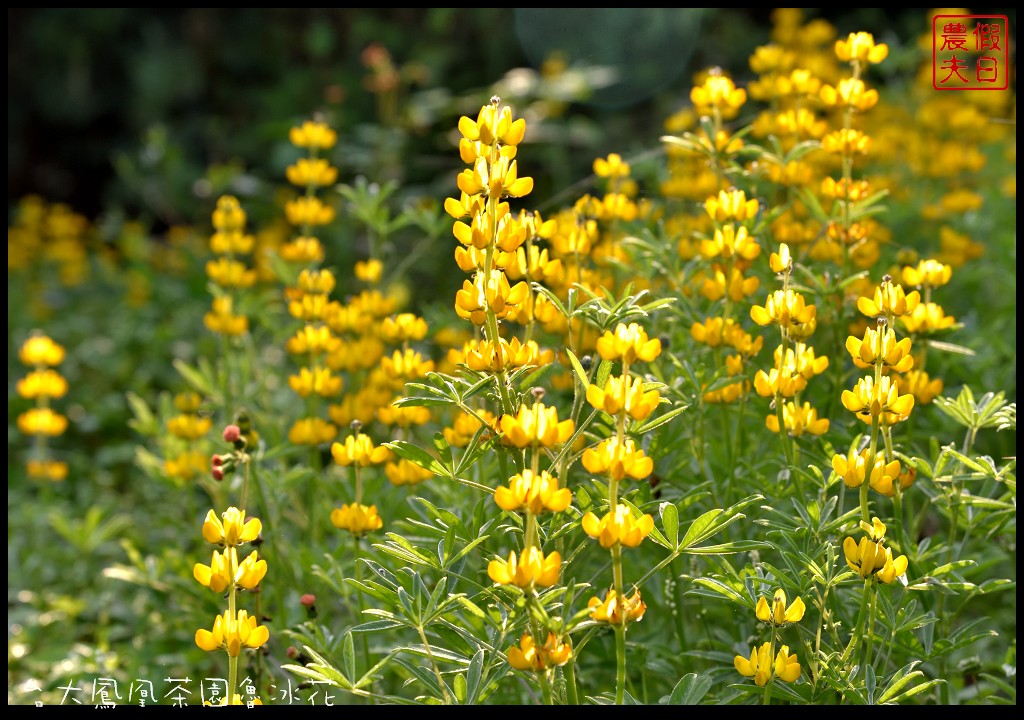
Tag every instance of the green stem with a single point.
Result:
(571, 693)
(771, 678)
(620, 662)
(433, 663)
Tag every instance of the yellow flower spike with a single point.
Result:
(311, 431)
(849, 92)
(358, 519)
(781, 261)
(852, 468)
(532, 568)
(222, 320)
(731, 205)
(303, 250)
(927, 318)
(718, 92)
(250, 572)
(529, 656)
(880, 345)
(220, 573)
(405, 472)
(618, 459)
(42, 384)
(402, 328)
(615, 611)
(611, 167)
(533, 492)
(233, 633)
(42, 421)
(928, 273)
(799, 419)
(308, 211)
(493, 125)
(787, 309)
(492, 292)
(231, 528)
(310, 171)
(778, 614)
(41, 350)
(730, 241)
(889, 299)
(869, 400)
(758, 666)
(228, 216)
(628, 343)
(535, 425)
(786, 666)
(920, 385)
(893, 568)
(865, 557)
(624, 394)
(318, 381)
(618, 526)
(861, 47)
(359, 450)
(313, 135)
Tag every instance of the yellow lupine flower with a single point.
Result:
(189, 427)
(308, 211)
(484, 355)
(787, 309)
(356, 518)
(228, 215)
(781, 261)
(714, 331)
(730, 241)
(494, 292)
(614, 611)
(230, 273)
(369, 271)
(760, 666)
(187, 465)
(533, 492)
(533, 568)
(406, 365)
(313, 135)
(927, 318)
(618, 459)
(316, 281)
(628, 343)
(611, 167)
(853, 469)
(231, 528)
(928, 273)
(466, 426)
(786, 666)
(312, 340)
(311, 171)
(849, 92)
(493, 125)
(535, 425)
(496, 179)
(311, 431)
(778, 614)
(41, 350)
(402, 328)
(312, 308)
(317, 381)
(403, 416)
(783, 381)
(233, 633)
(187, 402)
(529, 656)
(225, 570)
(846, 142)
(798, 419)
(618, 526)
(736, 286)
(889, 299)
(861, 47)
(731, 205)
(534, 264)
(865, 557)
(880, 345)
(624, 394)
(53, 470)
(233, 242)
(303, 250)
(359, 450)
(718, 92)
(405, 472)
(918, 384)
(801, 360)
(223, 321)
(892, 568)
(42, 421)
(42, 384)
(882, 401)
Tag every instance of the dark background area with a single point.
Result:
(127, 108)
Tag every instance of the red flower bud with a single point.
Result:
(232, 433)
(218, 474)
(308, 600)
(216, 461)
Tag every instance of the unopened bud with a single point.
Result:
(232, 433)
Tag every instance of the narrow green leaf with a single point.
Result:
(690, 689)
